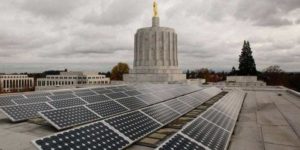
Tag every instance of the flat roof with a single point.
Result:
(268, 120)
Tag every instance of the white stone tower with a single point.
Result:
(155, 54)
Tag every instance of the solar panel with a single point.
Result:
(108, 108)
(179, 142)
(67, 103)
(118, 90)
(149, 98)
(6, 102)
(24, 112)
(31, 100)
(32, 95)
(64, 96)
(219, 119)
(85, 93)
(208, 134)
(189, 100)
(133, 93)
(164, 95)
(95, 136)
(116, 95)
(179, 106)
(69, 117)
(82, 91)
(103, 91)
(10, 97)
(133, 125)
(62, 92)
(132, 103)
(95, 98)
(161, 113)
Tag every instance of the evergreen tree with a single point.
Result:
(247, 64)
(188, 74)
(233, 71)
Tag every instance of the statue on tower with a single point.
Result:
(155, 9)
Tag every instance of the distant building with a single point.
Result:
(15, 83)
(71, 79)
(243, 81)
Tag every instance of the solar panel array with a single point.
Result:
(24, 112)
(211, 130)
(125, 128)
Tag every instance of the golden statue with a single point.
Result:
(155, 9)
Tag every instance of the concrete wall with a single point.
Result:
(241, 79)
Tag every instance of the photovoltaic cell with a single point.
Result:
(219, 119)
(95, 98)
(85, 93)
(189, 100)
(33, 95)
(96, 136)
(134, 125)
(10, 97)
(108, 108)
(132, 103)
(118, 90)
(103, 91)
(62, 92)
(133, 93)
(207, 133)
(161, 113)
(149, 98)
(64, 96)
(116, 95)
(31, 100)
(67, 103)
(24, 112)
(69, 117)
(179, 142)
(82, 91)
(6, 102)
(179, 106)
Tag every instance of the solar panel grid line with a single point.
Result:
(91, 135)
(26, 114)
(121, 104)
(210, 121)
(176, 104)
(31, 100)
(117, 131)
(159, 113)
(161, 147)
(4, 103)
(58, 127)
(151, 117)
(135, 125)
(96, 98)
(207, 133)
(171, 108)
(106, 113)
(188, 124)
(223, 113)
(93, 111)
(65, 103)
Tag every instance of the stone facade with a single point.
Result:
(16, 83)
(155, 55)
(70, 80)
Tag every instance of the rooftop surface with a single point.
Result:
(269, 120)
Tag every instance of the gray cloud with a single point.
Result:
(50, 8)
(117, 13)
(266, 12)
(54, 34)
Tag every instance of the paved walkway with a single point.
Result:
(268, 122)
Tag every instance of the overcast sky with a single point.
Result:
(94, 35)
